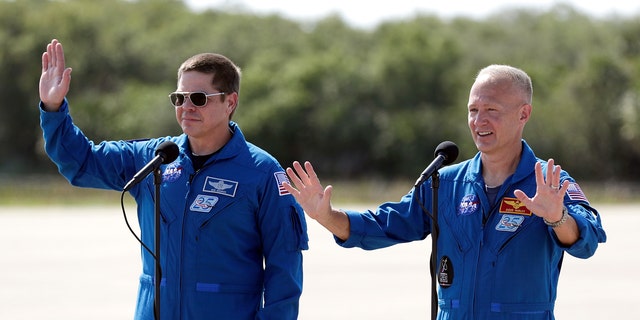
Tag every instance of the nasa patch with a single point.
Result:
(171, 173)
(468, 205)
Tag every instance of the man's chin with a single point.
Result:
(483, 147)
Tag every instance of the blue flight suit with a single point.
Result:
(495, 260)
(231, 236)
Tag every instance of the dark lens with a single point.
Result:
(198, 99)
(177, 99)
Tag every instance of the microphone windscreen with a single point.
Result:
(448, 150)
(169, 151)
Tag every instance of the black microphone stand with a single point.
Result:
(435, 229)
(157, 181)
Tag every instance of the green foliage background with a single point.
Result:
(355, 102)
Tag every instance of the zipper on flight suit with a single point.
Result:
(184, 218)
(485, 218)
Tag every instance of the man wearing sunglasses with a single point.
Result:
(231, 235)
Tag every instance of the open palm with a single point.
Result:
(314, 199)
(55, 78)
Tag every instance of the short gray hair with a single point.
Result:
(518, 78)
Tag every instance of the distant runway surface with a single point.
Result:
(82, 263)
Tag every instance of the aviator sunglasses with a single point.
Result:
(198, 99)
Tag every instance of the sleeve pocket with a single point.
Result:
(299, 232)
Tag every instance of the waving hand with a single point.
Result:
(316, 200)
(548, 204)
(55, 78)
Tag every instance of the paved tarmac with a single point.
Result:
(82, 263)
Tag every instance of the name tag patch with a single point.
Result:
(220, 186)
(513, 206)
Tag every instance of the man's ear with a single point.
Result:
(525, 112)
(232, 101)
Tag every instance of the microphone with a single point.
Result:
(166, 152)
(446, 153)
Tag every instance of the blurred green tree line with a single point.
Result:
(356, 102)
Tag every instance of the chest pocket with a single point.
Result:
(454, 228)
(504, 229)
(204, 207)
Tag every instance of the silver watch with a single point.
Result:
(565, 215)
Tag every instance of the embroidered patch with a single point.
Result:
(172, 172)
(281, 177)
(204, 203)
(468, 205)
(575, 193)
(220, 186)
(513, 206)
(445, 272)
(509, 223)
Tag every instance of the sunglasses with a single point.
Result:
(198, 99)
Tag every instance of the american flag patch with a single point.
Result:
(575, 193)
(281, 177)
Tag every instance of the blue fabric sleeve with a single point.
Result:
(390, 224)
(590, 228)
(81, 161)
(284, 234)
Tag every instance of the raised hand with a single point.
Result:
(547, 203)
(55, 78)
(316, 200)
